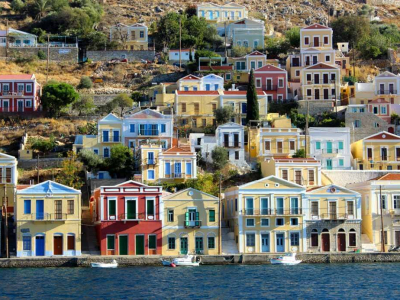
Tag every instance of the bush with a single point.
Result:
(220, 157)
(85, 83)
(300, 153)
(41, 55)
(42, 145)
(92, 161)
(224, 114)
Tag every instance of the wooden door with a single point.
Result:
(325, 242)
(397, 237)
(341, 242)
(140, 245)
(316, 41)
(58, 245)
(316, 94)
(184, 245)
(123, 245)
(40, 246)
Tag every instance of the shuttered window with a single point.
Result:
(112, 208)
(285, 174)
(110, 242)
(211, 217)
(211, 242)
(152, 242)
(70, 207)
(171, 243)
(27, 206)
(267, 145)
(71, 242)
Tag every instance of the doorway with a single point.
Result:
(58, 245)
(329, 164)
(397, 238)
(184, 245)
(131, 209)
(39, 241)
(123, 245)
(140, 245)
(265, 242)
(280, 242)
(326, 246)
(341, 240)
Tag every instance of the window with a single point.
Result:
(280, 222)
(163, 128)
(227, 76)
(236, 204)
(112, 208)
(237, 155)
(189, 168)
(327, 58)
(58, 209)
(306, 40)
(106, 152)
(28, 88)
(350, 208)
(131, 127)
(70, 242)
(258, 82)
(375, 110)
(170, 215)
(28, 103)
(383, 110)
(110, 242)
(294, 221)
(214, 107)
(326, 40)
(250, 239)
(183, 107)
(171, 243)
(314, 238)
(311, 177)
(250, 223)
(314, 209)
(267, 145)
(294, 239)
(285, 175)
(352, 238)
(340, 145)
(264, 222)
(150, 174)
(152, 242)
(70, 207)
(384, 202)
(341, 162)
(396, 201)
(318, 145)
(297, 73)
(259, 64)
(26, 243)
(253, 65)
(27, 206)
(309, 92)
(167, 169)
(211, 215)
(141, 34)
(357, 123)
(211, 242)
(280, 82)
(292, 146)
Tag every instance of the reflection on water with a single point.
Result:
(235, 281)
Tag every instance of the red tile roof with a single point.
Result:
(384, 136)
(210, 68)
(259, 93)
(22, 186)
(297, 159)
(179, 149)
(316, 26)
(190, 77)
(390, 176)
(380, 100)
(321, 66)
(198, 93)
(16, 77)
(267, 68)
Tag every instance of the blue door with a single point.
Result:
(39, 209)
(40, 246)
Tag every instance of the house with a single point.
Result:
(243, 65)
(8, 180)
(217, 65)
(331, 146)
(48, 218)
(247, 33)
(380, 151)
(17, 38)
(191, 223)
(214, 13)
(210, 82)
(386, 188)
(176, 164)
(186, 55)
(109, 134)
(273, 81)
(130, 37)
(302, 171)
(19, 93)
(266, 215)
(147, 126)
(332, 219)
(128, 218)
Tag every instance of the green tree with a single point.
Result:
(136, 96)
(41, 55)
(300, 153)
(39, 8)
(350, 29)
(92, 161)
(17, 6)
(252, 100)
(42, 145)
(123, 101)
(84, 105)
(85, 83)
(121, 162)
(224, 114)
(293, 37)
(107, 108)
(41, 35)
(97, 40)
(70, 171)
(239, 51)
(220, 157)
(56, 96)
(191, 10)
(373, 46)
(276, 46)
(204, 53)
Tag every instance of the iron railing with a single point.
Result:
(272, 212)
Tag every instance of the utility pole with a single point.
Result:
(226, 54)
(219, 217)
(308, 111)
(5, 204)
(7, 38)
(37, 167)
(180, 43)
(383, 232)
(48, 58)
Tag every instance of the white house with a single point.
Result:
(212, 82)
(173, 55)
(331, 145)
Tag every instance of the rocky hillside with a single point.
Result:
(280, 13)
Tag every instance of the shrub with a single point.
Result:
(41, 55)
(85, 83)
(220, 157)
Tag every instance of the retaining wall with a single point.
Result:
(57, 54)
(44, 163)
(130, 55)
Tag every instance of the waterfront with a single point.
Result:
(235, 281)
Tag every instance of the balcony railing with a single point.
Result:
(269, 87)
(334, 216)
(149, 161)
(111, 138)
(151, 132)
(272, 212)
(330, 81)
(192, 223)
(47, 217)
(317, 45)
(232, 145)
(387, 92)
(330, 151)
(135, 217)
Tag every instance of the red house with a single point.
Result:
(19, 93)
(127, 218)
(273, 81)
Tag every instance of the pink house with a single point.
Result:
(273, 81)
(381, 108)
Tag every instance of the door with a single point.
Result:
(316, 94)
(294, 206)
(397, 238)
(39, 245)
(58, 209)
(325, 78)
(150, 158)
(123, 245)
(316, 78)
(58, 245)
(341, 242)
(329, 164)
(39, 210)
(5, 105)
(297, 176)
(199, 245)
(279, 146)
(20, 106)
(269, 85)
(177, 170)
(226, 140)
(325, 242)
(249, 206)
(184, 245)
(328, 147)
(140, 245)
(332, 210)
(236, 140)
(391, 88)
(384, 154)
(192, 217)
(264, 242)
(369, 153)
(280, 242)
(279, 206)
(316, 41)
(326, 94)
(131, 209)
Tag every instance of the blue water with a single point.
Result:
(223, 282)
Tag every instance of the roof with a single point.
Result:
(193, 191)
(110, 118)
(386, 74)
(177, 50)
(49, 188)
(17, 77)
(78, 140)
(199, 93)
(389, 176)
(229, 124)
(147, 114)
(218, 68)
(379, 100)
(190, 77)
(331, 189)
(316, 26)
(7, 157)
(321, 66)
(22, 186)
(256, 53)
(233, 93)
(178, 149)
(297, 159)
(383, 135)
(269, 67)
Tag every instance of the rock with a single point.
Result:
(158, 9)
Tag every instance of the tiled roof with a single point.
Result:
(297, 159)
(22, 186)
(16, 77)
(256, 53)
(316, 26)
(179, 149)
(321, 66)
(390, 176)
(199, 93)
(269, 68)
(383, 136)
(190, 77)
(259, 93)
(380, 100)
(210, 68)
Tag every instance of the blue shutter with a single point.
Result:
(132, 128)
(189, 168)
(167, 168)
(163, 129)
(197, 219)
(27, 206)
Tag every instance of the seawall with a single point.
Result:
(247, 259)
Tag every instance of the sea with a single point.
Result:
(304, 281)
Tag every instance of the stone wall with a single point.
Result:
(341, 178)
(368, 125)
(111, 54)
(56, 54)
(44, 163)
(315, 107)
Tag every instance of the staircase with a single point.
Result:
(366, 244)
(89, 237)
(228, 242)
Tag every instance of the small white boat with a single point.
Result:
(113, 264)
(187, 260)
(288, 259)
(167, 263)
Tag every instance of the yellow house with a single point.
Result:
(243, 65)
(130, 37)
(109, 134)
(191, 223)
(387, 189)
(176, 164)
(380, 151)
(189, 83)
(8, 179)
(266, 215)
(302, 171)
(48, 218)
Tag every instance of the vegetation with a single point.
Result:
(252, 100)
(300, 153)
(120, 163)
(239, 51)
(123, 101)
(57, 96)
(283, 108)
(84, 105)
(70, 172)
(326, 119)
(293, 37)
(220, 157)
(92, 161)
(41, 55)
(276, 46)
(85, 83)
(204, 53)
(224, 114)
(42, 145)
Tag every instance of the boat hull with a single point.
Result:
(275, 261)
(105, 266)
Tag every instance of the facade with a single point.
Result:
(380, 151)
(209, 82)
(17, 38)
(247, 33)
(266, 215)
(128, 218)
(215, 13)
(130, 37)
(331, 146)
(48, 218)
(173, 55)
(332, 220)
(273, 81)
(19, 93)
(8, 179)
(190, 223)
(243, 65)
(385, 188)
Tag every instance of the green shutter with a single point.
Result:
(340, 145)
(197, 219)
(152, 242)
(211, 216)
(112, 207)
(150, 207)
(187, 219)
(110, 242)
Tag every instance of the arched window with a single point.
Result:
(325, 230)
(314, 238)
(341, 230)
(352, 238)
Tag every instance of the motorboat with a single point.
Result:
(113, 264)
(288, 259)
(167, 263)
(187, 260)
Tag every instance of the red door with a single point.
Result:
(325, 242)
(58, 245)
(316, 41)
(341, 242)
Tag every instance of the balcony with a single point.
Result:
(318, 45)
(329, 152)
(269, 87)
(330, 81)
(110, 138)
(192, 224)
(387, 92)
(149, 132)
(47, 217)
(232, 145)
(149, 161)
(273, 212)
(394, 212)
(135, 217)
(336, 216)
